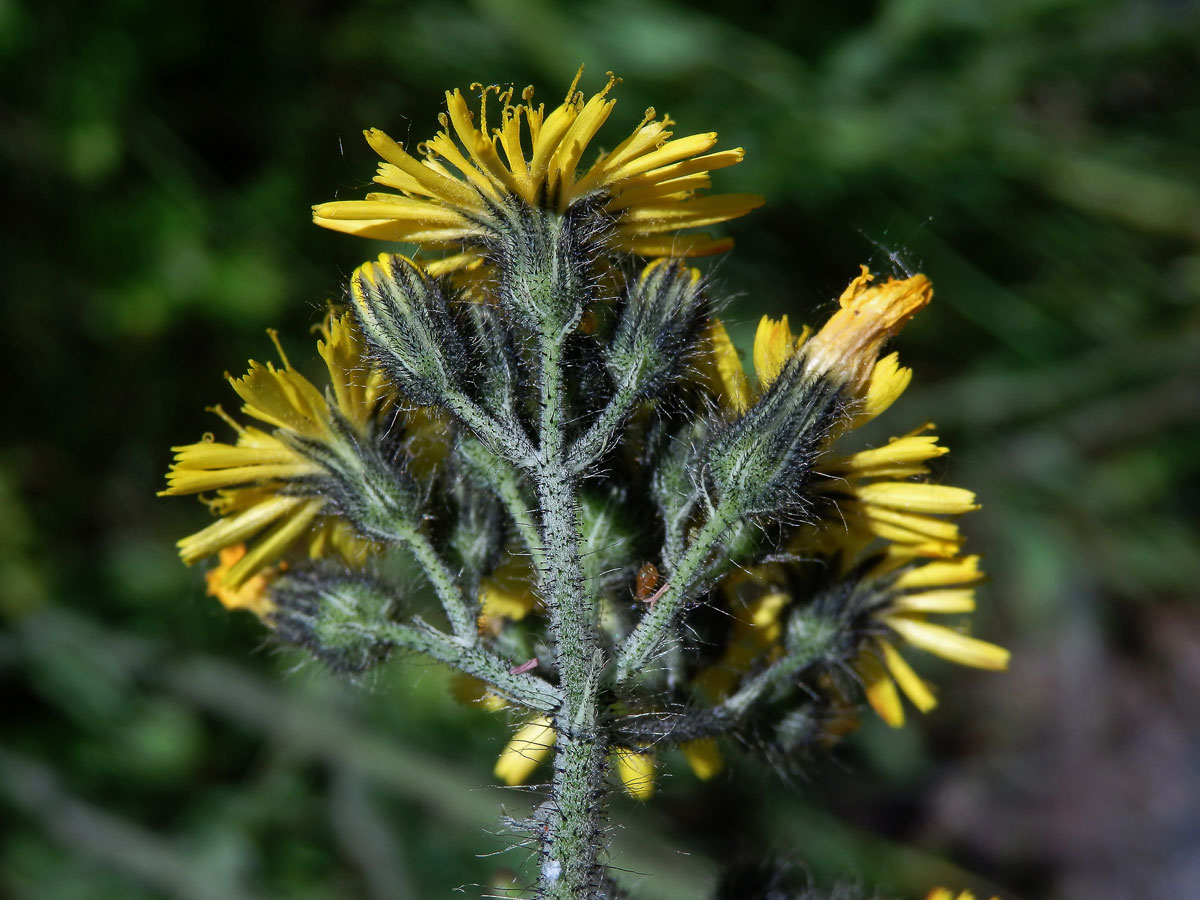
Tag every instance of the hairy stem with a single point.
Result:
(501, 436)
(570, 846)
(458, 611)
(659, 620)
(603, 431)
(522, 689)
(506, 482)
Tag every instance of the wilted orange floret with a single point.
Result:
(849, 343)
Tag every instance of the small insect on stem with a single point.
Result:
(647, 581)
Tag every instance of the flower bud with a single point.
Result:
(405, 319)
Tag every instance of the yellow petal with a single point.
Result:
(236, 529)
(275, 542)
(773, 346)
(950, 600)
(195, 482)
(941, 574)
(913, 685)
(905, 450)
(910, 527)
(432, 184)
(764, 611)
(530, 745)
(670, 152)
(508, 591)
(949, 644)
(880, 690)
(847, 345)
(467, 689)
(704, 757)
(888, 381)
(251, 595)
(636, 771)
(917, 497)
(723, 371)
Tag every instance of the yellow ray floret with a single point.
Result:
(250, 595)
(648, 183)
(876, 494)
(774, 345)
(941, 587)
(262, 482)
(704, 757)
(508, 593)
(845, 349)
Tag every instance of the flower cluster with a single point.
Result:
(630, 544)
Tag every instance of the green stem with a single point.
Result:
(458, 611)
(506, 482)
(571, 816)
(522, 689)
(506, 438)
(592, 443)
(658, 622)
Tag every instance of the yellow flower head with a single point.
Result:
(262, 480)
(845, 349)
(635, 770)
(940, 587)
(877, 500)
(647, 184)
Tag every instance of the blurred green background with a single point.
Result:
(1038, 159)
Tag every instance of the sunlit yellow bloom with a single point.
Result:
(877, 497)
(250, 595)
(873, 489)
(888, 381)
(774, 345)
(635, 770)
(939, 588)
(704, 757)
(649, 183)
(262, 480)
(944, 894)
(534, 742)
(721, 369)
(530, 745)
